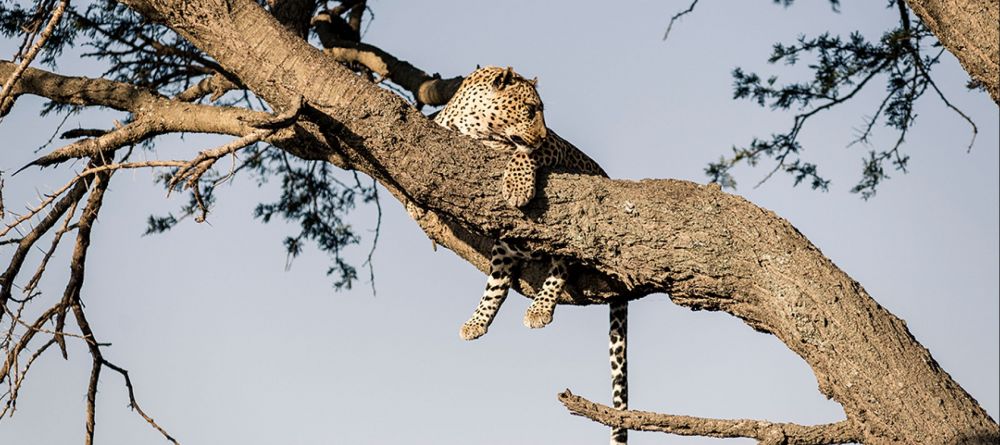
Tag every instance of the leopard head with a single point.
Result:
(500, 105)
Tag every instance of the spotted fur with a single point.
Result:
(618, 351)
(504, 111)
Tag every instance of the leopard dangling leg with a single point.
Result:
(503, 258)
(540, 312)
(619, 365)
(518, 186)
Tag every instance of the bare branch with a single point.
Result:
(135, 405)
(15, 351)
(33, 282)
(768, 433)
(17, 319)
(15, 383)
(95, 377)
(100, 146)
(7, 279)
(678, 16)
(193, 170)
(78, 261)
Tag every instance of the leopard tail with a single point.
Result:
(619, 365)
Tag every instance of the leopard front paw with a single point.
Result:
(537, 317)
(517, 196)
(472, 330)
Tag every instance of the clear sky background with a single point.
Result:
(225, 346)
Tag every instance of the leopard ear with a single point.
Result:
(505, 78)
(534, 82)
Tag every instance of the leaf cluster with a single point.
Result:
(841, 68)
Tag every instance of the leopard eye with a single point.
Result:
(531, 111)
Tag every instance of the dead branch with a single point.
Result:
(768, 433)
(35, 279)
(15, 382)
(17, 320)
(135, 405)
(15, 351)
(677, 16)
(71, 295)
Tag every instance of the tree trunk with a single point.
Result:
(970, 29)
(707, 249)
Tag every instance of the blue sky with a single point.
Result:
(225, 346)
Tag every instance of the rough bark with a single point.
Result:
(707, 249)
(970, 29)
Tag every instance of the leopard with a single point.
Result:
(503, 110)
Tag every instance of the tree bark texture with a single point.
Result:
(707, 249)
(970, 29)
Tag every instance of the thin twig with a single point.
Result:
(40, 329)
(33, 282)
(135, 405)
(12, 353)
(677, 16)
(192, 171)
(89, 171)
(16, 385)
(378, 228)
(54, 133)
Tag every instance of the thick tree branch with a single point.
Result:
(768, 433)
(705, 248)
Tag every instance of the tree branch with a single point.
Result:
(5, 91)
(426, 89)
(768, 433)
(154, 114)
